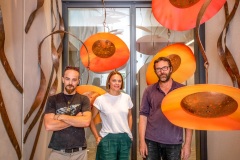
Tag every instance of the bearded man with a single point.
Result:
(158, 137)
(66, 114)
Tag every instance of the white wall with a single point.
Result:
(21, 50)
(222, 145)
(13, 100)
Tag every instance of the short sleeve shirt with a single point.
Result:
(114, 113)
(159, 128)
(71, 137)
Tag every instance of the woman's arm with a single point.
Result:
(130, 118)
(93, 128)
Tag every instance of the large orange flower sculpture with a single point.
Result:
(182, 59)
(204, 107)
(182, 14)
(92, 92)
(106, 52)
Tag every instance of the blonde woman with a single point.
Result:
(115, 138)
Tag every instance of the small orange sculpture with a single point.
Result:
(92, 92)
(182, 15)
(106, 52)
(204, 107)
(182, 59)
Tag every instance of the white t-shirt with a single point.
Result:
(114, 113)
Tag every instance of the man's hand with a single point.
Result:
(186, 152)
(143, 149)
(82, 119)
(53, 123)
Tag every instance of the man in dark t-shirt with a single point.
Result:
(67, 114)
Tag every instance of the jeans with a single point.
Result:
(156, 151)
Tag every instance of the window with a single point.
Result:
(134, 23)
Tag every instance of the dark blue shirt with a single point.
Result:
(159, 128)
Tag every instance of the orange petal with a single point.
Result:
(106, 52)
(183, 18)
(173, 110)
(181, 73)
(92, 92)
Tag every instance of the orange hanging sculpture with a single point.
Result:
(181, 15)
(106, 52)
(182, 59)
(204, 107)
(92, 92)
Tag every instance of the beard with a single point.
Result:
(70, 90)
(164, 77)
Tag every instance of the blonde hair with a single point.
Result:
(109, 77)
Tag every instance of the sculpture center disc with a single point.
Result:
(183, 3)
(209, 104)
(175, 60)
(103, 48)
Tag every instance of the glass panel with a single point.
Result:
(151, 37)
(84, 22)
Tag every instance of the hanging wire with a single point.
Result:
(153, 33)
(168, 36)
(105, 16)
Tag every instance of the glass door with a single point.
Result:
(133, 23)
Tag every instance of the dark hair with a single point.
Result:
(109, 77)
(71, 68)
(163, 59)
